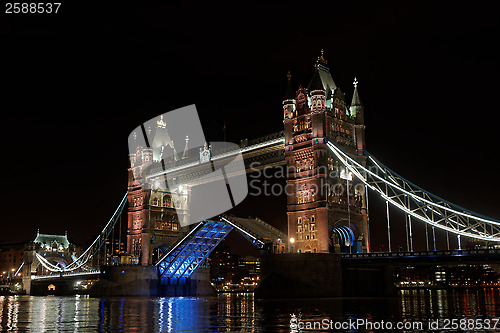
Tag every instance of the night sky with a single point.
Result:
(76, 83)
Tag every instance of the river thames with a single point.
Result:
(236, 312)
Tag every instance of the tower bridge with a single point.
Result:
(323, 144)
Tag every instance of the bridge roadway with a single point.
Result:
(403, 257)
(358, 274)
(67, 283)
(84, 274)
(444, 257)
(469, 256)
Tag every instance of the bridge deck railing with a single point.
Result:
(68, 274)
(435, 253)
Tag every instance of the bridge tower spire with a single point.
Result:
(326, 207)
(153, 223)
(357, 111)
(289, 110)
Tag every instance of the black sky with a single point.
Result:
(75, 84)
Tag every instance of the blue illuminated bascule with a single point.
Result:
(329, 173)
(179, 263)
(182, 260)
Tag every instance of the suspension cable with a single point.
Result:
(464, 228)
(96, 245)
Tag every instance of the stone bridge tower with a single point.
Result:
(56, 249)
(153, 221)
(326, 207)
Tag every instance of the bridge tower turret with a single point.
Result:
(138, 197)
(153, 223)
(357, 112)
(289, 110)
(326, 207)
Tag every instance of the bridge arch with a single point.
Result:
(345, 235)
(159, 251)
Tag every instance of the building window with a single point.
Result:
(299, 220)
(167, 201)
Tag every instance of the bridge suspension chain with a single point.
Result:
(419, 203)
(47, 265)
(92, 249)
(100, 240)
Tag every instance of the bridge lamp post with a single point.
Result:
(292, 241)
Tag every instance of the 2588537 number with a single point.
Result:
(32, 7)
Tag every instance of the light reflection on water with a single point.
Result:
(232, 312)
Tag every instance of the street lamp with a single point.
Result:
(292, 241)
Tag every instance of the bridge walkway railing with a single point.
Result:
(65, 274)
(256, 230)
(436, 253)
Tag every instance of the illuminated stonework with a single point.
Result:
(154, 209)
(161, 123)
(322, 215)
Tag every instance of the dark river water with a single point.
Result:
(478, 308)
